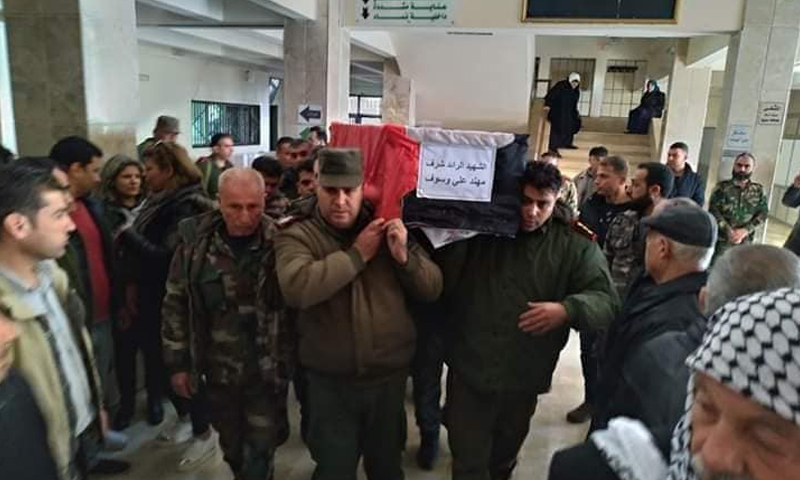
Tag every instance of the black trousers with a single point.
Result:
(145, 336)
(589, 364)
(128, 343)
(426, 375)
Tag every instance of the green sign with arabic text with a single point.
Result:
(401, 13)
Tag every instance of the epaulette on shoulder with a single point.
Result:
(288, 221)
(583, 230)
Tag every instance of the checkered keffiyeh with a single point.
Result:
(753, 349)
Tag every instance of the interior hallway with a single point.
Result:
(549, 432)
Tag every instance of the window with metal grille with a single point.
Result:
(560, 68)
(623, 88)
(365, 109)
(242, 121)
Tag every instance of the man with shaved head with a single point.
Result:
(224, 327)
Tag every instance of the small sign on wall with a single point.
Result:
(771, 113)
(309, 114)
(740, 137)
(422, 13)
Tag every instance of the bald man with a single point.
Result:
(224, 327)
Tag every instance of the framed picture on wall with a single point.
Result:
(601, 11)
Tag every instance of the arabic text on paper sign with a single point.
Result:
(456, 172)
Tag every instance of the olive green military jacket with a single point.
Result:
(200, 307)
(488, 284)
(353, 320)
(736, 207)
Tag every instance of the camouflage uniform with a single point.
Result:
(736, 207)
(277, 205)
(224, 322)
(624, 249)
(569, 195)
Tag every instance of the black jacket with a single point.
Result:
(642, 374)
(690, 185)
(792, 200)
(148, 253)
(24, 451)
(75, 263)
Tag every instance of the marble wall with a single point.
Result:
(759, 69)
(399, 99)
(316, 58)
(74, 71)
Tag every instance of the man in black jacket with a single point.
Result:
(89, 264)
(24, 452)
(741, 271)
(688, 183)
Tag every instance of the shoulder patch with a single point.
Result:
(583, 230)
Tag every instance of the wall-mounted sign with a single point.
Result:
(771, 113)
(740, 137)
(309, 114)
(417, 13)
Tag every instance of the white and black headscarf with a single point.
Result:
(753, 349)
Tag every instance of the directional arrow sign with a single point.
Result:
(309, 114)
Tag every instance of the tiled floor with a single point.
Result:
(549, 432)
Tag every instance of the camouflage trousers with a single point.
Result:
(248, 418)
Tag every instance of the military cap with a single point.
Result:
(168, 124)
(686, 224)
(340, 168)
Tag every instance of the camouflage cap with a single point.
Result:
(339, 168)
(168, 124)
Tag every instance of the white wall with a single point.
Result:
(469, 82)
(168, 84)
(659, 55)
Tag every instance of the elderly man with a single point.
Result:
(224, 327)
(743, 418)
(741, 271)
(351, 276)
(679, 245)
(511, 303)
(739, 205)
(624, 246)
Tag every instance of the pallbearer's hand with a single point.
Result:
(543, 317)
(397, 238)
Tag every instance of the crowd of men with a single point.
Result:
(237, 282)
